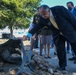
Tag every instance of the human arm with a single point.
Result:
(69, 16)
(37, 27)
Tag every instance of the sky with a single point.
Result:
(52, 3)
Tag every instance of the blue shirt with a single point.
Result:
(31, 25)
(74, 12)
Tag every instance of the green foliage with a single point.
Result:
(17, 13)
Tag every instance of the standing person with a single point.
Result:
(34, 38)
(72, 9)
(45, 41)
(63, 26)
(35, 21)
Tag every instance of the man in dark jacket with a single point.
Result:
(72, 9)
(63, 26)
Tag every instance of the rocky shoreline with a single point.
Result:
(37, 66)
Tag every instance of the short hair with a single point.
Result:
(45, 7)
(70, 3)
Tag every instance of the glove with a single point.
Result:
(29, 34)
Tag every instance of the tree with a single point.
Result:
(17, 13)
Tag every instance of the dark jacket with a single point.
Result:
(36, 19)
(73, 11)
(65, 21)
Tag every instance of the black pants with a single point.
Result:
(73, 45)
(36, 42)
(61, 52)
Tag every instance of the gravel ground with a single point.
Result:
(71, 67)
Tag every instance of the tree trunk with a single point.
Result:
(11, 32)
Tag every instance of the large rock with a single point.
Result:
(40, 66)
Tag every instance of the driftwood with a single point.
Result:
(7, 49)
(14, 46)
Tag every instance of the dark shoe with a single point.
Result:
(71, 59)
(49, 57)
(55, 53)
(64, 72)
(62, 69)
(45, 56)
(41, 55)
(75, 61)
(36, 47)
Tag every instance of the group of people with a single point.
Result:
(72, 9)
(44, 37)
(61, 23)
